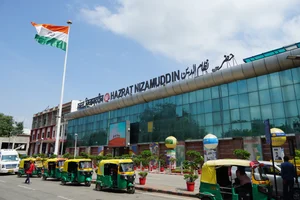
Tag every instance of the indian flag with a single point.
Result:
(56, 36)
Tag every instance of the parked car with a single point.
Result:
(268, 170)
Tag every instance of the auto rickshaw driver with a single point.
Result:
(242, 182)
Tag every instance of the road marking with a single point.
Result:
(2, 181)
(28, 188)
(64, 198)
(168, 196)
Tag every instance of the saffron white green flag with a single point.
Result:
(56, 36)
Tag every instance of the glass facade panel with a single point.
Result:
(274, 80)
(253, 99)
(263, 82)
(264, 97)
(290, 109)
(276, 95)
(288, 93)
(227, 110)
(252, 84)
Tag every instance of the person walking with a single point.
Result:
(287, 175)
(29, 172)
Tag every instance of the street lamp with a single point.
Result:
(75, 144)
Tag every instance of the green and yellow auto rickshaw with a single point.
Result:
(116, 174)
(77, 171)
(217, 181)
(25, 164)
(53, 168)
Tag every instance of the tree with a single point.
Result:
(9, 127)
(6, 125)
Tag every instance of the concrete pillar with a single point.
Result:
(88, 150)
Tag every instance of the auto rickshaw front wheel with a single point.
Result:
(88, 183)
(19, 175)
(39, 175)
(44, 178)
(98, 187)
(205, 198)
(131, 190)
(63, 182)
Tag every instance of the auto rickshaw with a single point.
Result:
(25, 164)
(39, 164)
(77, 171)
(53, 168)
(216, 181)
(116, 174)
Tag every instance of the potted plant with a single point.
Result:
(162, 164)
(190, 181)
(143, 176)
(241, 154)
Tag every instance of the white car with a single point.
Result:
(268, 171)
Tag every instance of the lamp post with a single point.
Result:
(75, 145)
(63, 138)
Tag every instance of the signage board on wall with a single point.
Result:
(119, 134)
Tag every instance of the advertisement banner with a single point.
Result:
(209, 154)
(254, 147)
(133, 149)
(154, 148)
(117, 135)
(278, 153)
(100, 150)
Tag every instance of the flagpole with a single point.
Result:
(58, 119)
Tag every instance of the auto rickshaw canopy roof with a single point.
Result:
(55, 159)
(209, 168)
(66, 164)
(114, 161)
(26, 160)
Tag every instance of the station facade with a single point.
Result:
(231, 103)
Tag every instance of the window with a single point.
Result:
(263, 82)
(274, 80)
(233, 102)
(288, 93)
(252, 85)
(278, 111)
(232, 88)
(253, 99)
(266, 112)
(276, 95)
(286, 77)
(264, 97)
(290, 109)
(243, 100)
(242, 86)
(215, 92)
(206, 94)
(224, 90)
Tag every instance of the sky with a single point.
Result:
(117, 43)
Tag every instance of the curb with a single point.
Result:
(148, 189)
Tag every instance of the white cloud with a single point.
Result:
(191, 31)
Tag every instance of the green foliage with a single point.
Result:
(23, 156)
(66, 155)
(297, 156)
(241, 154)
(53, 156)
(6, 125)
(190, 177)
(9, 127)
(84, 155)
(143, 174)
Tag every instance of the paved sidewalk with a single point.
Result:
(165, 183)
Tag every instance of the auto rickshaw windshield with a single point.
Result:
(60, 163)
(85, 164)
(259, 174)
(126, 167)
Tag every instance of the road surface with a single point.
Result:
(13, 188)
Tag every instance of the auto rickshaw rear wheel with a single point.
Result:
(88, 183)
(63, 182)
(131, 190)
(39, 175)
(19, 174)
(44, 178)
(98, 187)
